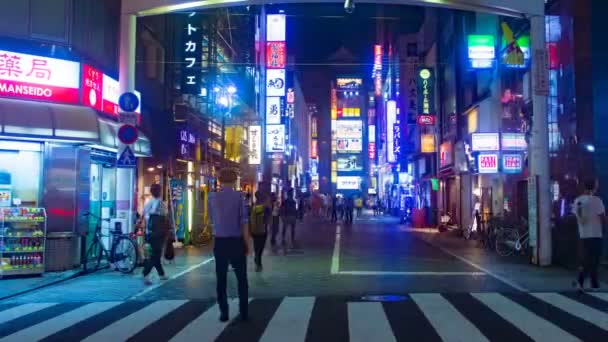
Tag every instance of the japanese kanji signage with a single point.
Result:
(192, 56)
(273, 110)
(276, 55)
(512, 163)
(255, 145)
(186, 144)
(425, 82)
(38, 78)
(275, 138)
(488, 163)
(101, 91)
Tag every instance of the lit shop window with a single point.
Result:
(20, 175)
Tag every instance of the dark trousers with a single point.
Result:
(274, 229)
(157, 243)
(231, 251)
(259, 242)
(289, 222)
(334, 215)
(592, 251)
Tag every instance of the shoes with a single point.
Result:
(224, 318)
(258, 268)
(578, 286)
(147, 281)
(164, 277)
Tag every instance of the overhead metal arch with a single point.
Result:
(517, 8)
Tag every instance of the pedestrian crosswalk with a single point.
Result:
(467, 317)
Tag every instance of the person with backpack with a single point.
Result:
(257, 228)
(289, 214)
(590, 216)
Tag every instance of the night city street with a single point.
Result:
(303, 170)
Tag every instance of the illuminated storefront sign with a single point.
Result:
(349, 129)
(275, 82)
(186, 144)
(485, 142)
(482, 51)
(425, 83)
(488, 163)
(275, 27)
(512, 163)
(348, 182)
(275, 138)
(349, 145)
(349, 83)
(446, 154)
(516, 51)
(313, 127)
(192, 56)
(427, 143)
(276, 55)
(334, 104)
(426, 120)
(101, 92)
(291, 96)
(378, 70)
(391, 120)
(349, 112)
(396, 139)
(514, 142)
(39, 78)
(273, 110)
(371, 133)
(350, 163)
(255, 145)
(371, 150)
(314, 149)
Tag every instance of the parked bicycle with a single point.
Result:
(123, 253)
(511, 239)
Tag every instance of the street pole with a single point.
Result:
(539, 214)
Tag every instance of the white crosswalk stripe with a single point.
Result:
(22, 310)
(446, 320)
(295, 318)
(207, 327)
(575, 308)
(368, 322)
(528, 322)
(291, 319)
(130, 325)
(47, 328)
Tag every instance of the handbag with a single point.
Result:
(169, 249)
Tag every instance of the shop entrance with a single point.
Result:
(103, 197)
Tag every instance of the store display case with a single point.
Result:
(22, 241)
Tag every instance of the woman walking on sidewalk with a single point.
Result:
(157, 229)
(257, 227)
(590, 215)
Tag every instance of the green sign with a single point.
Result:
(482, 51)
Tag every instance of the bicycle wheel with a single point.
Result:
(124, 255)
(93, 257)
(503, 247)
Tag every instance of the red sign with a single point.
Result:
(38, 78)
(488, 163)
(314, 150)
(445, 154)
(275, 55)
(340, 112)
(92, 83)
(371, 150)
(101, 91)
(426, 120)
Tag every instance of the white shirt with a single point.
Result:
(155, 207)
(588, 209)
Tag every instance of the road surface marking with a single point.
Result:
(381, 273)
(291, 319)
(600, 295)
(529, 323)
(335, 259)
(207, 326)
(448, 322)
(368, 322)
(22, 310)
(56, 324)
(175, 276)
(575, 308)
(483, 269)
(125, 328)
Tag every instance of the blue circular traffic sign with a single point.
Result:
(127, 134)
(128, 102)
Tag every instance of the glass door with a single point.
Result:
(102, 199)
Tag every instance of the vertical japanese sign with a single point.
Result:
(255, 142)
(178, 201)
(276, 87)
(39, 78)
(378, 70)
(391, 120)
(425, 83)
(192, 55)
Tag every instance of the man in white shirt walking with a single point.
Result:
(590, 215)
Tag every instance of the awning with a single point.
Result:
(51, 121)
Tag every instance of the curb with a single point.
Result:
(74, 274)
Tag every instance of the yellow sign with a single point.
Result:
(472, 120)
(427, 143)
(334, 176)
(334, 165)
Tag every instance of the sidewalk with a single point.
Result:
(103, 285)
(515, 270)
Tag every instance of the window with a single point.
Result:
(20, 173)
